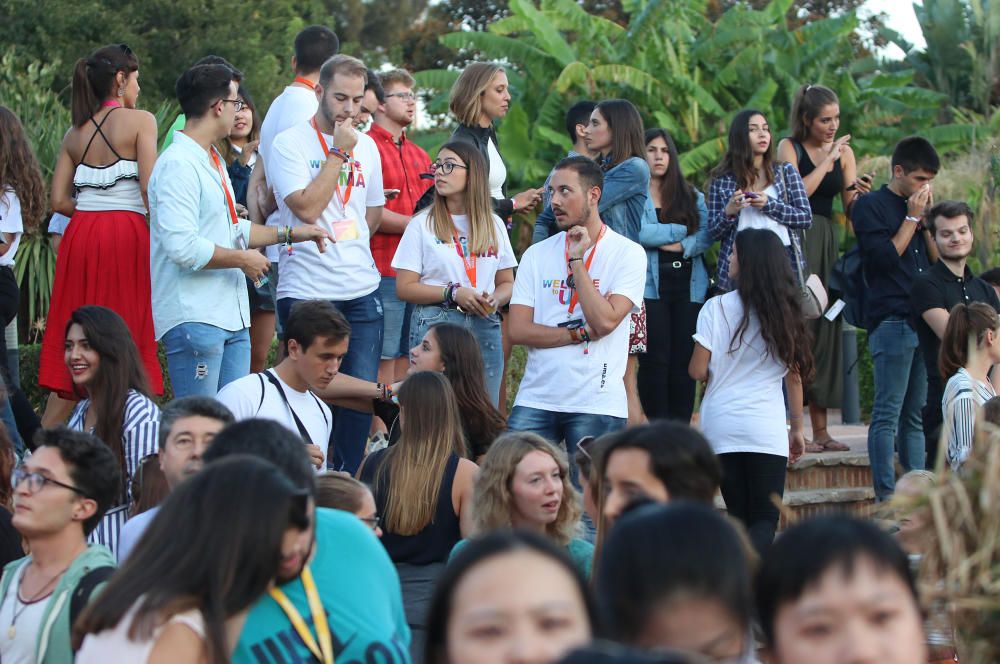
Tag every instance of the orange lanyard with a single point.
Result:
(222, 181)
(469, 261)
(345, 197)
(304, 81)
(590, 259)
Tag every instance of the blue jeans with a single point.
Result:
(396, 325)
(900, 393)
(350, 427)
(203, 358)
(569, 427)
(486, 331)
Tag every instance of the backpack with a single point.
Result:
(847, 282)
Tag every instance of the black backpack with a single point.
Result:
(847, 281)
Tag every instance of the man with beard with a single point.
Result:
(571, 294)
(947, 283)
(326, 174)
(336, 570)
(187, 427)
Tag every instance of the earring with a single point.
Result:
(121, 92)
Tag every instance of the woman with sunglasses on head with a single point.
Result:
(214, 548)
(106, 159)
(455, 261)
(116, 405)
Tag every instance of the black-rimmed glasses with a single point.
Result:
(446, 167)
(36, 481)
(238, 104)
(371, 521)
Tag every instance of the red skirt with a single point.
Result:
(104, 260)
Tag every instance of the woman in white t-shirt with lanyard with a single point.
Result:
(746, 342)
(455, 261)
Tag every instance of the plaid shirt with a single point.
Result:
(402, 166)
(796, 213)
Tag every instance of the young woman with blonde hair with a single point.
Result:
(524, 483)
(455, 261)
(423, 490)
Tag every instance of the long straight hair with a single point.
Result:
(120, 370)
(415, 465)
(94, 79)
(463, 366)
(767, 289)
(966, 329)
(225, 146)
(680, 204)
(738, 159)
(625, 125)
(19, 170)
(482, 229)
(214, 546)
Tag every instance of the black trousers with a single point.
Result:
(665, 389)
(749, 479)
(10, 299)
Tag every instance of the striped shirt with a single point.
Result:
(140, 429)
(963, 396)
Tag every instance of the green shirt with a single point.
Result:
(580, 551)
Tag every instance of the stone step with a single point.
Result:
(803, 504)
(829, 470)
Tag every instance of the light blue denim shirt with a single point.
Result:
(653, 235)
(189, 217)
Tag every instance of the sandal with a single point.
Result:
(835, 446)
(814, 448)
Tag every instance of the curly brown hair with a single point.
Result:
(19, 170)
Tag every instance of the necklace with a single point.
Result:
(12, 630)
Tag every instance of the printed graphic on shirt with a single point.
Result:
(561, 289)
(286, 647)
(463, 242)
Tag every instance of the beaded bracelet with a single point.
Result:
(337, 152)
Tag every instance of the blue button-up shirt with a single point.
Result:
(189, 217)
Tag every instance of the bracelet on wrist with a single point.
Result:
(575, 258)
(513, 204)
(337, 152)
(584, 334)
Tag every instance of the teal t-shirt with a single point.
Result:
(581, 552)
(360, 589)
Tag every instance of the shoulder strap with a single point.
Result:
(298, 423)
(97, 131)
(84, 589)
(799, 151)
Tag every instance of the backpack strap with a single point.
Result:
(81, 594)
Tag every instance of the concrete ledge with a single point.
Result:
(820, 496)
(851, 458)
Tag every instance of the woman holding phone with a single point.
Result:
(828, 169)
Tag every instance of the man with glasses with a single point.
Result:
(60, 495)
(404, 165)
(187, 427)
(200, 249)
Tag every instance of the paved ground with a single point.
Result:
(855, 435)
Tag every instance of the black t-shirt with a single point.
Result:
(939, 288)
(10, 539)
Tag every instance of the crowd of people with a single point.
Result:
(364, 494)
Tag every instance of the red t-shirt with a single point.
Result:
(402, 166)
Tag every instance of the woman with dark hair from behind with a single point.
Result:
(10, 539)
(116, 405)
(837, 589)
(676, 281)
(106, 159)
(749, 189)
(747, 342)
(423, 490)
(168, 605)
(828, 170)
(657, 590)
(969, 349)
(509, 597)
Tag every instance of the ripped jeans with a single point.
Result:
(203, 358)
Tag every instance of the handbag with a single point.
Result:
(814, 297)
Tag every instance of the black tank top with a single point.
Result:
(830, 186)
(434, 543)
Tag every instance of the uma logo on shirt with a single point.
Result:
(561, 289)
(464, 241)
(347, 175)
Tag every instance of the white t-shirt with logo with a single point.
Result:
(10, 222)
(439, 264)
(743, 409)
(293, 106)
(565, 379)
(243, 398)
(346, 270)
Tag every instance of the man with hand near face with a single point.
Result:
(571, 295)
(325, 174)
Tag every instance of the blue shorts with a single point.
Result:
(396, 335)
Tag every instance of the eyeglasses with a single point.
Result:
(405, 96)
(446, 167)
(36, 481)
(371, 521)
(238, 104)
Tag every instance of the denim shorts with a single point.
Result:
(396, 335)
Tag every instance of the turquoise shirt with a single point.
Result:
(360, 590)
(581, 552)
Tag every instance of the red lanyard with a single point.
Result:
(304, 81)
(222, 181)
(590, 259)
(346, 197)
(469, 261)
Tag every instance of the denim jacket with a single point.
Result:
(624, 202)
(654, 235)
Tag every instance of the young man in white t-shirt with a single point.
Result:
(316, 341)
(326, 174)
(571, 295)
